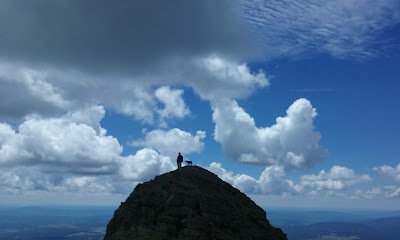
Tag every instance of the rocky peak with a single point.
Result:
(190, 203)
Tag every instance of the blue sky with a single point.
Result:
(293, 102)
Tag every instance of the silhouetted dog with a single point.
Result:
(189, 163)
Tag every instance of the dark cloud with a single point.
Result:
(22, 93)
(16, 107)
(118, 34)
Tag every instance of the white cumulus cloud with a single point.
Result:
(85, 184)
(144, 165)
(216, 77)
(25, 180)
(174, 106)
(170, 142)
(73, 143)
(62, 143)
(338, 178)
(56, 91)
(73, 153)
(243, 182)
(271, 181)
(292, 142)
(378, 193)
(392, 173)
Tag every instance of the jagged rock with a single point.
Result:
(190, 203)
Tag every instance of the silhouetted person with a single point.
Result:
(179, 160)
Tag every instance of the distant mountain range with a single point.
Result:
(337, 225)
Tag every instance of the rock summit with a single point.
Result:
(190, 203)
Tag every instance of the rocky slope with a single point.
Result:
(190, 203)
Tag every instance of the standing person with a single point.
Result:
(179, 160)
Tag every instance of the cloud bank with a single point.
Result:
(273, 181)
(338, 178)
(74, 153)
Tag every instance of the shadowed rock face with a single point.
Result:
(191, 203)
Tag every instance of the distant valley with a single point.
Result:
(45, 223)
(84, 223)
